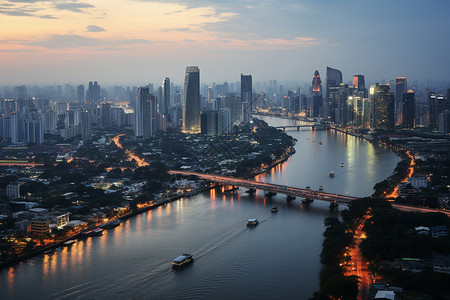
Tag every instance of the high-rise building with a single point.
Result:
(86, 125)
(382, 103)
(316, 95)
(400, 89)
(359, 83)
(80, 93)
(408, 110)
(246, 97)
(437, 104)
(165, 101)
(143, 125)
(93, 92)
(105, 115)
(334, 79)
(191, 100)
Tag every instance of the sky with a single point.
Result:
(140, 41)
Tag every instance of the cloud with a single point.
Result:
(15, 13)
(73, 7)
(94, 28)
(180, 29)
(189, 40)
(71, 41)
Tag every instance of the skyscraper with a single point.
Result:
(359, 83)
(382, 107)
(143, 113)
(400, 89)
(316, 95)
(408, 110)
(80, 93)
(105, 115)
(437, 105)
(93, 92)
(246, 97)
(165, 101)
(334, 79)
(191, 100)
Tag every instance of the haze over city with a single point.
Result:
(46, 42)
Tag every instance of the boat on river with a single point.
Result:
(68, 243)
(331, 174)
(342, 164)
(112, 224)
(182, 260)
(94, 232)
(274, 208)
(252, 222)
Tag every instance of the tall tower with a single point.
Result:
(408, 110)
(143, 112)
(359, 83)
(382, 107)
(316, 95)
(93, 93)
(246, 97)
(400, 89)
(80, 93)
(334, 80)
(165, 101)
(191, 100)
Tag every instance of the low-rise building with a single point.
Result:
(419, 182)
(439, 231)
(40, 226)
(441, 264)
(13, 190)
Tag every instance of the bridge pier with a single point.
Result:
(298, 128)
(250, 191)
(333, 205)
(269, 194)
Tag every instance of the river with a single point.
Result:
(278, 259)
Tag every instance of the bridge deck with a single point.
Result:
(270, 187)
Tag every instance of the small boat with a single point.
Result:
(320, 188)
(182, 260)
(112, 224)
(252, 222)
(94, 232)
(307, 200)
(342, 164)
(274, 208)
(331, 174)
(68, 243)
(320, 142)
(48, 251)
(290, 197)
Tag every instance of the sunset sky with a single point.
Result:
(139, 41)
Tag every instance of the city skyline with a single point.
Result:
(59, 41)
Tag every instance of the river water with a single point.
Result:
(278, 259)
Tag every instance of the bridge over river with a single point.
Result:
(296, 192)
(270, 187)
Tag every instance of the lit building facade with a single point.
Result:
(191, 100)
(382, 104)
